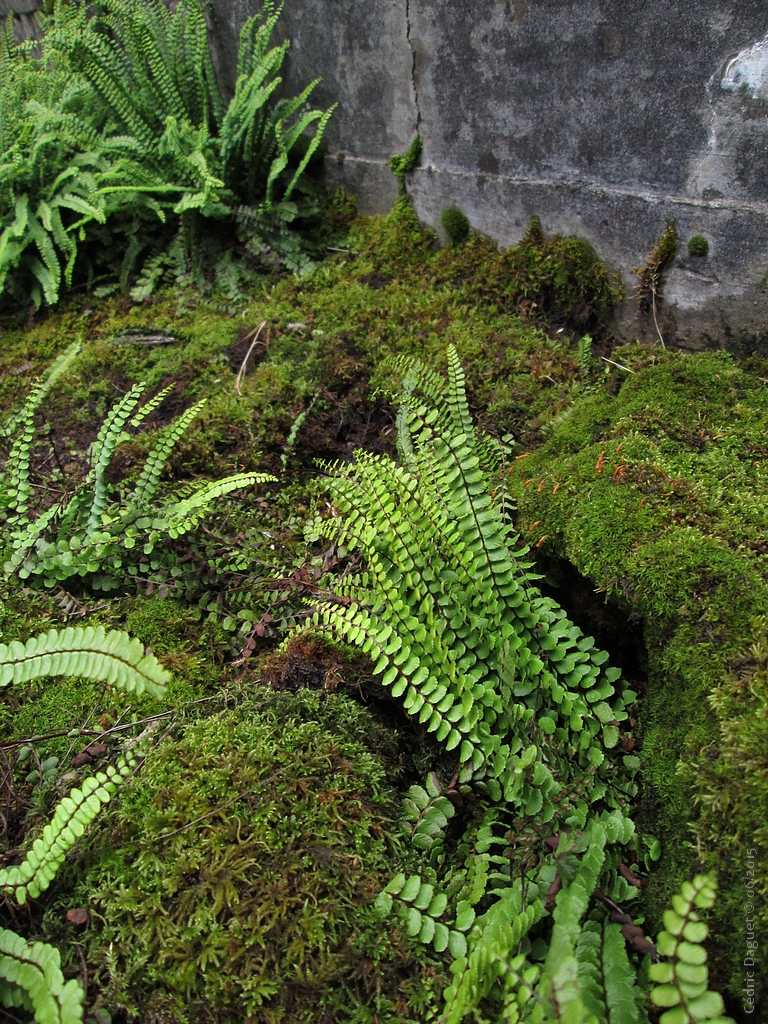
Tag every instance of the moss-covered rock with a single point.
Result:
(236, 878)
(653, 486)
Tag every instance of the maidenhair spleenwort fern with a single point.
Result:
(72, 816)
(31, 979)
(90, 534)
(683, 978)
(448, 609)
(30, 973)
(91, 652)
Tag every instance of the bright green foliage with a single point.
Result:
(88, 651)
(427, 813)
(114, 124)
(421, 909)
(31, 979)
(30, 976)
(682, 978)
(51, 156)
(71, 817)
(493, 957)
(606, 976)
(582, 979)
(586, 976)
(88, 535)
(16, 488)
(449, 613)
(455, 224)
(406, 163)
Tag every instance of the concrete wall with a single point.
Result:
(603, 117)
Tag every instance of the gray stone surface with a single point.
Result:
(603, 117)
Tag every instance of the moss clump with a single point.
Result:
(657, 494)
(563, 278)
(406, 163)
(698, 247)
(236, 878)
(660, 259)
(455, 224)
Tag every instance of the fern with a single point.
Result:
(102, 451)
(90, 652)
(449, 612)
(71, 817)
(90, 534)
(116, 117)
(50, 158)
(606, 976)
(495, 940)
(30, 974)
(153, 467)
(447, 607)
(578, 980)
(682, 980)
(31, 979)
(182, 516)
(16, 489)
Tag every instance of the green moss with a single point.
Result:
(652, 275)
(406, 163)
(728, 798)
(562, 279)
(236, 878)
(657, 494)
(455, 224)
(698, 246)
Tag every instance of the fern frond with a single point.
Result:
(494, 942)
(26, 537)
(560, 987)
(458, 406)
(31, 977)
(103, 447)
(71, 817)
(90, 652)
(15, 476)
(606, 977)
(149, 407)
(180, 517)
(682, 981)
(153, 467)
(290, 140)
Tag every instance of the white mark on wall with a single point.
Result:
(749, 69)
(712, 172)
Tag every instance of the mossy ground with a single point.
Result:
(235, 879)
(649, 483)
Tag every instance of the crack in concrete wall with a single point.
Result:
(414, 83)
